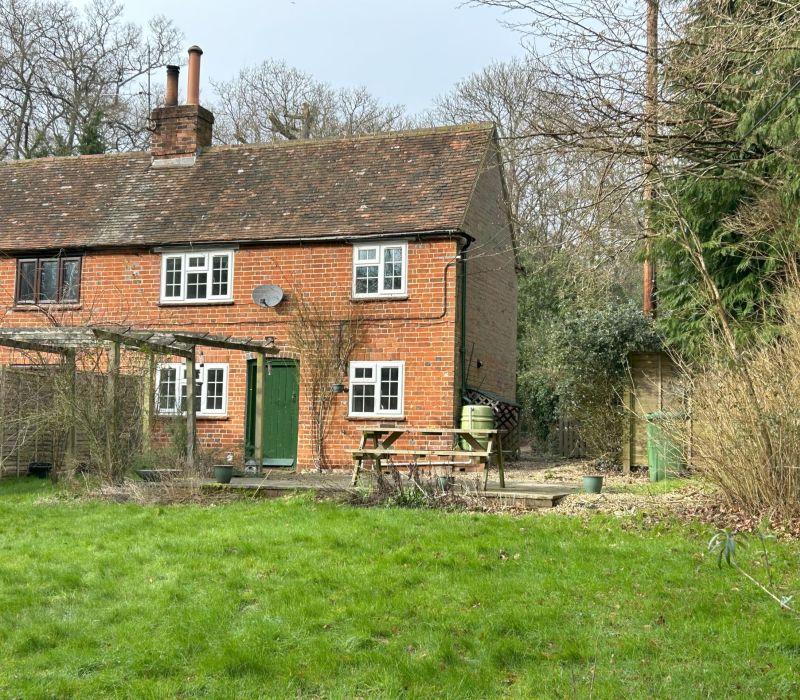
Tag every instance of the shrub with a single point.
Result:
(592, 368)
(745, 436)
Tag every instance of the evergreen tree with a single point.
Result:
(91, 139)
(733, 95)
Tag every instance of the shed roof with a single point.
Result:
(402, 182)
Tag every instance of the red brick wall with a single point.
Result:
(123, 287)
(491, 289)
(180, 130)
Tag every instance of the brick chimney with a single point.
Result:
(181, 131)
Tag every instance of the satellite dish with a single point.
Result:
(268, 295)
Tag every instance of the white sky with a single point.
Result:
(403, 51)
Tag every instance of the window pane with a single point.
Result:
(48, 283)
(363, 398)
(367, 254)
(198, 390)
(70, 280)
(367, 279)
(197, 262)
(196, 285)
(219, 276)
(392, 269)
(215, 386)
(390, 388)
(27, 281)
(168, 390)
(363, 373)
(172, 284)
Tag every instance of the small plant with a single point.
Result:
(727, 543)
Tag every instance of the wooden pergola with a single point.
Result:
(67, 340)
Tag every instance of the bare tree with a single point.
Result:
(59, 68)
(274, 101)
(562, 199)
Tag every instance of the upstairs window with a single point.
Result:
(376, 388)
(48, 280)
(197, 276)
(379, 270)
(210, 391)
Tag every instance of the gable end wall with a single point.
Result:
(491, 313)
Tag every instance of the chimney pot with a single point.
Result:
(193, 87)
(172, 86)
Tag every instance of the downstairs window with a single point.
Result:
(210, 394)
(376, 388)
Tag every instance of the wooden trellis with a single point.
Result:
(65, 341)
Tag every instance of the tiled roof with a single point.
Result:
(412, 181)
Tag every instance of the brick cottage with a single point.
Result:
(408, 232)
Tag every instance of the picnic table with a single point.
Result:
(377, 444)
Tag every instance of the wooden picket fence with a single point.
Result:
(567, 439)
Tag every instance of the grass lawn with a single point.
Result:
(294, 598)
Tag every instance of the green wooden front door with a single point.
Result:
(279, 420)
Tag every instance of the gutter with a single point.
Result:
(307, 240)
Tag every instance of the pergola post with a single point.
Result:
(148, 398)
(191, 414)
(111, 402)
(71, 446)
(258, 447)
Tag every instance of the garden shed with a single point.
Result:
(655, 384)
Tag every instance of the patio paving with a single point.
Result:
(275, 483)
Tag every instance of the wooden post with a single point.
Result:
(71, 451)
(191, 414)
(3, 413)
(148, 398)
(258, 443)
(111, 400)
(627, 431)
(500, 464)
(650, 161)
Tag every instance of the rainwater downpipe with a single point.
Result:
(462, 346)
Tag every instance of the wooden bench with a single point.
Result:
(383, 439)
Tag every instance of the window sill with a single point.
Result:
(194, 302)
(377, 417)
(198, 416)
(47, 307)
(382, 297)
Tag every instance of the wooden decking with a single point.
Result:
(274, 484)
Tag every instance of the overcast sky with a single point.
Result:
(404, 51)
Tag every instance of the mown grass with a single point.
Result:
(296, 598)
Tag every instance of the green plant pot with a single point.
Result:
(592, 484)
(223, 473)
(444, 483)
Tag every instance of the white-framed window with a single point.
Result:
(376, 388)
(210, 393)
(197, 276)
(380, 269)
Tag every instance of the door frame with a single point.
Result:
(251, 402)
